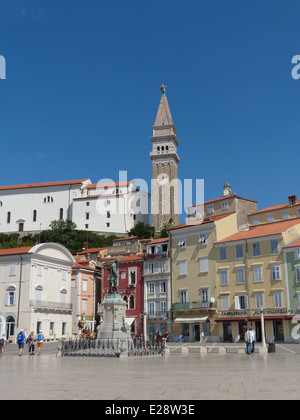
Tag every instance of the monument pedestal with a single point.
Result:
(113, 314)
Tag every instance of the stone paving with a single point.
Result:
(176, 377)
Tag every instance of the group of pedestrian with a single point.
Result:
(21, 340)
(250, 339)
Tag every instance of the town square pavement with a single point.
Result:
(176, 377)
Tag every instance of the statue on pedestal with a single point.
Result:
(113, 276)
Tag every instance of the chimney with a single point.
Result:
(84, 246)
(292, 200)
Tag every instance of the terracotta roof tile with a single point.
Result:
(262, 230)
(42, 184)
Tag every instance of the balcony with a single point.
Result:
(157, 255)
(157, 315)
(184, 306)
(50, 306)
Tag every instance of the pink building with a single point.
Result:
(131, 287)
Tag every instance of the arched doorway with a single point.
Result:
(10, 326)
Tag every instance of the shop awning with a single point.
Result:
(129, 320)
(191, 320)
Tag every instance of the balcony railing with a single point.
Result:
(190, 305)
(157, 256)
(55, 306)
(158, 314)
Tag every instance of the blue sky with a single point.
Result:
(82, 91)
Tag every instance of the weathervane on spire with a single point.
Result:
(163, 88)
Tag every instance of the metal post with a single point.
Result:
(264, 346)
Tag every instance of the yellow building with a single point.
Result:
(193, 263)
(251, 275)
(194, 281)
(277, 213)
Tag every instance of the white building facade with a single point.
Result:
(35, 291)
(103, 208)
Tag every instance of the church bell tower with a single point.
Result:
(164, 191)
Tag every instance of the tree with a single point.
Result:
(142, 231)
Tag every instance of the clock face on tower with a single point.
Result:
(162, 179)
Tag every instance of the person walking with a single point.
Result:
(40, 338)
(253, 340)
(30, 342)
(2, 344)
(21, 341)
(248, 339)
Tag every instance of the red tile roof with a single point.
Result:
(43, 184)
(276, 207)
(294, 243)
(16, 251)
(158, 241)
(262, 230)
(201, 222)
(108, 184)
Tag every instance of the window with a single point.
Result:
(84, 285)
(38, 295)
(276, 272)
(123, 274)
(270, 217)
(48, 199)
(151, 308)
(131, 302)
(108, 214)
(61, 214)
(87, 203)
(64, 328)
(132, 275)
(182, 268)
(151, 288)
(285, 214)
(183, 296)
(224, 277)
(203, 239)
(63, 298)
(39, 271)
(108, 225)
(203, 264)
(256, 249)
(181, 242)
(63, 275)
(87, 216)
(225, 302)
(274, 246)
(10, 296)
(257, 273)
(240, 275)
(210, 208)
(34, 216)
(225, 205)
(163, 308)
(163, 288)
(277, 300)
(223, 253)
(86, 226)
(297, 254)
(255, 220)
(12, 270)
(239, 251)
(259, 300)
(297, 270)
(205, 295)
(84, 306)
(8, 217)
(241, 302)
